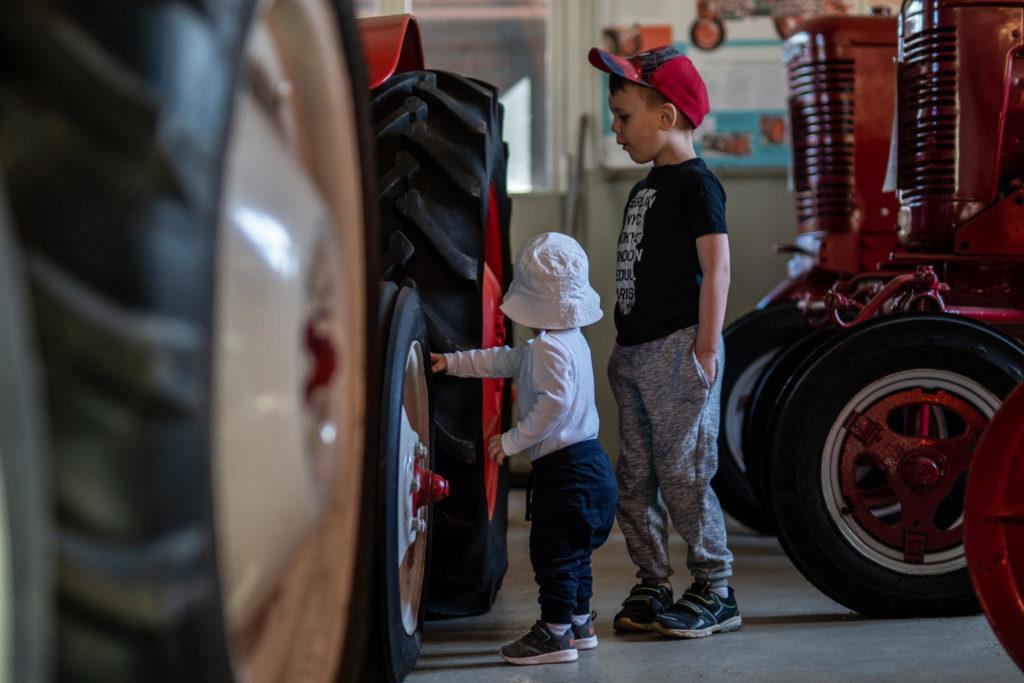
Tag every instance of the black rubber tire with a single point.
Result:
(768, 395)
(439, 150)
(750, 343)
(24, 464)
(406, 325)
(113, 127)
(871, 351)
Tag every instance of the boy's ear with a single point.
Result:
(669, 116)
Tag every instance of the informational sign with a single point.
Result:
(736, 46)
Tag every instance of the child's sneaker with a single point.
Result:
(642, 606)
(541, 646)
(699, 613)
(583, 636)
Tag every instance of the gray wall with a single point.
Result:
(759, 211)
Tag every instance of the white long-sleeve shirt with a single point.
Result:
(556, 389)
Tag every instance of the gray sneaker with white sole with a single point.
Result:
(583, 636)
(541, 646)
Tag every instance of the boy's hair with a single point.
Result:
(652, 97)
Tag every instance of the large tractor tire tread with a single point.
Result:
(146, 357)
(149, 587)
(439, 153)
(750, 342)
(113, 125)
(26, 487)
(769, 394)
(122, 345)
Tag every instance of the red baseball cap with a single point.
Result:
(666, 70)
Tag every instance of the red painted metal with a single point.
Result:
(841, 75)
(994, 524)
(960, 165)
(390, 45)
(813, 285)
(998, 230)
(493, 335)
(921, 469)
(323, 356)
(961, 113)
(920, 290)
(430, 487)
(842, 93)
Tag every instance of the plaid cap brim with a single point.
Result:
(613, 64)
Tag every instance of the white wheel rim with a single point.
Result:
(413, 525)
(738, 403)
(964, 388)
(287, 451)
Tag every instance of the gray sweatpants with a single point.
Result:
(668, 424)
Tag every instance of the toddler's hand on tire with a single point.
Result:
(438, 363)
(495, 450)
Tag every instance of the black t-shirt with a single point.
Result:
(657, 278)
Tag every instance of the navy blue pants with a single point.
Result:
(572, 501)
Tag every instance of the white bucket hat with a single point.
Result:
(551, 288)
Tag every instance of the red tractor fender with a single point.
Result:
(391, 45)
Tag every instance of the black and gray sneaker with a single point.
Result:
(583, 636)
(642, 606)
(699, 613)
(541, 646)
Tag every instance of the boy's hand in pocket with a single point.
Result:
(709, 363)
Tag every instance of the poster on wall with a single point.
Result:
(736, 46)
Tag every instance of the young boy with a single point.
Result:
(671, 281)
(573, 487)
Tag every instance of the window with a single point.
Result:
(367, 8)
(503, 42)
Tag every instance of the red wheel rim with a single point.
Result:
(994, 524)
(921, 470)
(707, 34)
(493, 335)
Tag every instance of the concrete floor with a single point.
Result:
(791, 632)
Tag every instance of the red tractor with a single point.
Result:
(993, 529)
(871, 440)
(707, 31)
(842, 88)
(230, 252)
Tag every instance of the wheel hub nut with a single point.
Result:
(922, 472)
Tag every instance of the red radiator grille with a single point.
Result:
(928, 114)
(822, 114)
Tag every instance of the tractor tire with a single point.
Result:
(403, 550)
(441, 166)
(993, 532)
(142, 209)
(769, 393)
(904, 398)
(27, 587)
(750, 344)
